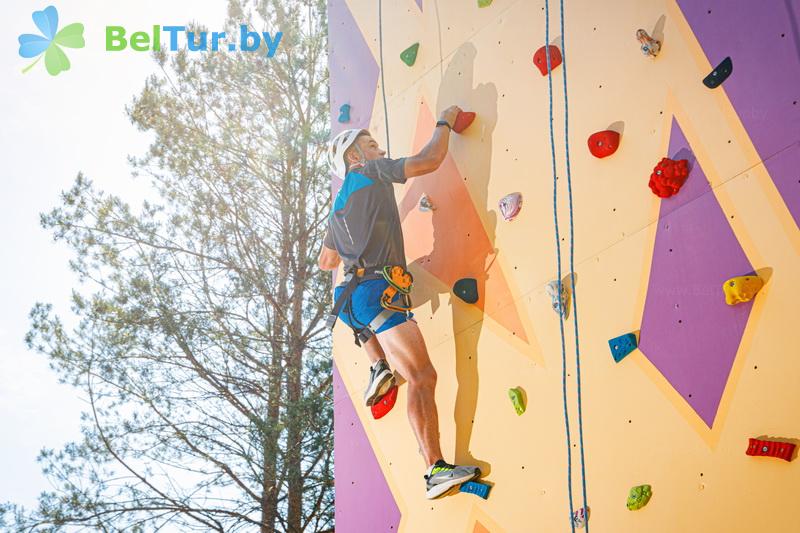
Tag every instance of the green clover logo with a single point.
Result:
(50, 42)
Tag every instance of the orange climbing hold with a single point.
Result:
(463, 120)
(603, 143)
(668, 177)
(540, 58)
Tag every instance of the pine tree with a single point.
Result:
(200, 344)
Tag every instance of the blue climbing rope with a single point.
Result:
(572, 266)
(571, 262)
(558, 256)
(383, 83)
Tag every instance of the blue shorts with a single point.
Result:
(366, 305)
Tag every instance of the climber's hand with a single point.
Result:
(450, 114)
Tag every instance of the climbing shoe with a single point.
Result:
(441, 477)
(381, 380)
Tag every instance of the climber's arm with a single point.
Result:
(328, 259)
(432, 155)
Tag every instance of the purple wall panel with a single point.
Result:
(763, 40)
(364, 503)
(688, 331)
(353, 70)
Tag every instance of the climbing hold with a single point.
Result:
(510, 205)
(476, 488)
(409, 55)
(384, 403)
(650, 46)
(639, 496)
(719, 74)
(484, 3)
(344, 113)
(668, 177)
(771, 448)
(742, 289)
(467, 290)
(560, 305)
(580, 517)
(425, 203)
(622, 346)
(603, 143)
(540, 58)
(517, 399)
(463, 120)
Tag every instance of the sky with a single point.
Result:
(51, 128)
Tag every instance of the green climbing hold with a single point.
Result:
(484, 3)
(639, 496)
(517, 399)
(409, 55)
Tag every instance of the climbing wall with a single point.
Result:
(678, 411)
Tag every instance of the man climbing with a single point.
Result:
(364, 233)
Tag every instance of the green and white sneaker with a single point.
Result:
(441, 477)
(381, 379)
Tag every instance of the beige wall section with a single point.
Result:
(637, 429)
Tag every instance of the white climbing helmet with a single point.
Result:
(338, 146)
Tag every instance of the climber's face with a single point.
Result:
(369, 147)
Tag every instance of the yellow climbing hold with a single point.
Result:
(517, 399)
(741, 289)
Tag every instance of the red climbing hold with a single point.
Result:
(771, 448)
(385, 404)
(463, 120)
(540, 58)
(603, 143)
(668, 177)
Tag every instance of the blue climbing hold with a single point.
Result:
(467, 290)
(344, 113)
(478, 489)
(622, 346)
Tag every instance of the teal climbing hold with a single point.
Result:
(467, 290)
(344, 113)
(476, 488)
(622, 346)
(639, 496)
(409, 55)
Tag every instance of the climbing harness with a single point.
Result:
(399, 280)
(571, 261)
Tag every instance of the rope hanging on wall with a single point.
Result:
(571, 262)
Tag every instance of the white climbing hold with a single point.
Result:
(560, 305)
(425, 204)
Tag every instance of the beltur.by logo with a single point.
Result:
(171, 38)
(50, 42)
(201, 41)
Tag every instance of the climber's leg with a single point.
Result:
(374, 351)
(405, 348)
